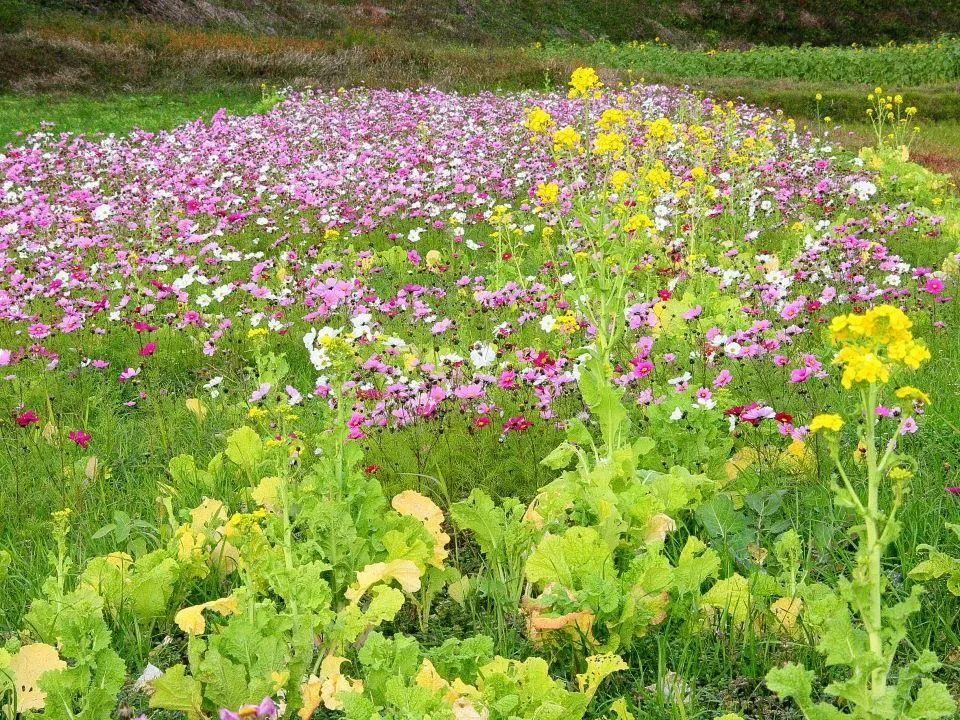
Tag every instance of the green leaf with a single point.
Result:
(936, 565)
(559, 457)
(245, 448)
(174, 690)
(720, 518)
(697, 562)
(791, 681)
(731, 596)
(933, 701)
(570, 558)
(385, 603)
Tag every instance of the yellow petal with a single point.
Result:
(26, 667)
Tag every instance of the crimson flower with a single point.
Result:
(25, 418)
(80, 438)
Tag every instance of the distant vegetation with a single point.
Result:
(687, 22)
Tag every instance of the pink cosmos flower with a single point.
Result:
(933, 285)
(128, 374)
(722, 379)
(799, 375)
(148, 349)
(909, 425)
(261, 392)
(266, 709)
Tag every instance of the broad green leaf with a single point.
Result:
(791, 681)
(245, 448)
(730, 596)
(175, 690)
(559, 457)
(933, 701)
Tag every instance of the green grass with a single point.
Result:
(926, 63)
(115, 113)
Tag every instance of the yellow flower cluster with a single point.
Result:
(830, 422)
(565, 138)
(872, 342)
(610, 118)
(538, 120)
(548, 193)
(611, 143)
(583, 83)
(619, 178)
(661, 129)
(638, 221)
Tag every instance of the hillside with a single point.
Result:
(684, 22)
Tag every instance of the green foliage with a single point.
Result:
(907, 65)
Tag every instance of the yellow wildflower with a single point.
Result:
(829, 422)
(583, 81)
(548, 193)
(908, 391)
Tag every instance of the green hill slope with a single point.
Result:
(685, 22)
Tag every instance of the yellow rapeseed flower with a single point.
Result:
(829, 422)
(583, 81)
(538, 120)
(548, 193)
(565, 138)
(908, 391)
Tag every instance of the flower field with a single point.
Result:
(615, 402)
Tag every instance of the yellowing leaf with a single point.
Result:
(463, 709)
(404, 572)
(191, 620)
(429, 678)
(657, 528)
(787, 611)
(206, 511)
(741, 460)
(196, 406)
(267, 492)
(422, 508)
(598, 667)
(26, 667)
(326, 686)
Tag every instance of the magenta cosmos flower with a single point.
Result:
(80, 437)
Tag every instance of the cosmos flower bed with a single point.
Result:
(326, 208)
(302, 305)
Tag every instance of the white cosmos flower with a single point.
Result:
(101, 212)
(482, 355)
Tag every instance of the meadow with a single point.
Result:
(586, 398)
